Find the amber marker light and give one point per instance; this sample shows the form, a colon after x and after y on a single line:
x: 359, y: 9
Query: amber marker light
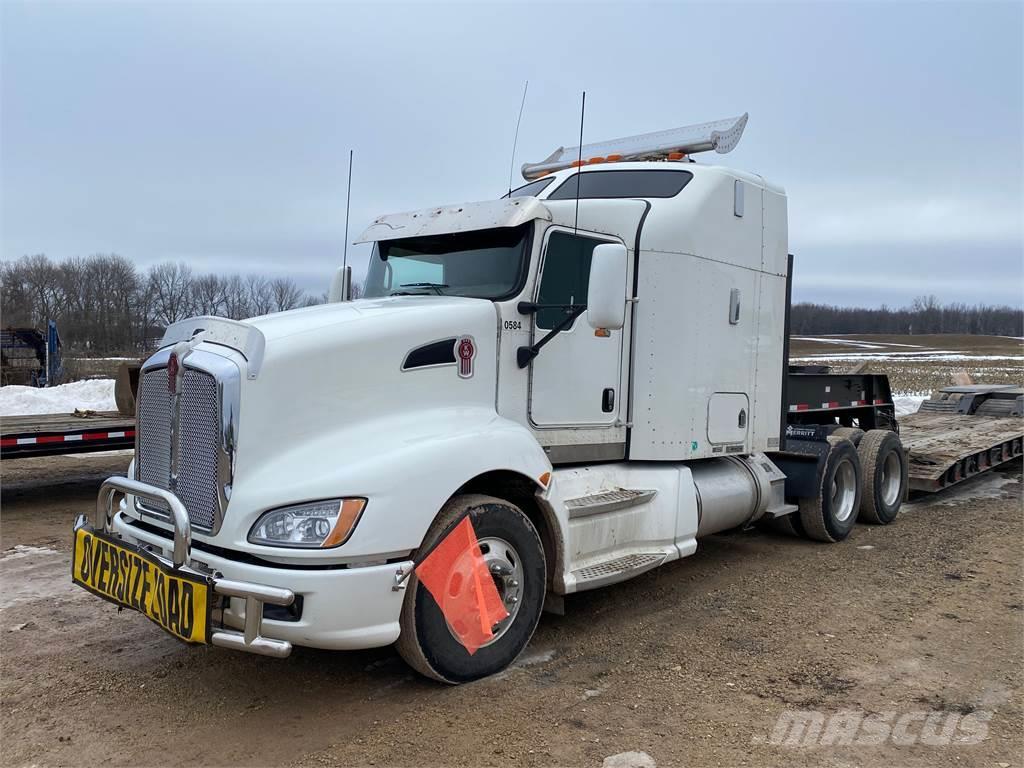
x: 351, y: 509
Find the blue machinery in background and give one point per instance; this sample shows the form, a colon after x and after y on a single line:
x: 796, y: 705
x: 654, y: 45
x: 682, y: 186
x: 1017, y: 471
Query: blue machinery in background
x: 30, y: 356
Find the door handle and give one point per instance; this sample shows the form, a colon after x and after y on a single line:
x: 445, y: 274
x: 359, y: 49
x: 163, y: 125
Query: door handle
x: 608, y: 400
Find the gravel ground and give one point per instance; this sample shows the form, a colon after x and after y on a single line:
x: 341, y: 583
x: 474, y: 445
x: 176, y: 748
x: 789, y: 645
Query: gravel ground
x: 692, y: 664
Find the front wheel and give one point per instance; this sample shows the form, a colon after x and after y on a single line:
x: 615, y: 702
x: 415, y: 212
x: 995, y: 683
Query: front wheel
x: 514, y: 555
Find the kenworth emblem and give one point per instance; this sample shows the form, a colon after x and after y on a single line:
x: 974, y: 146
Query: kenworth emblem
x: 465, y: 350
x: 172, y: 373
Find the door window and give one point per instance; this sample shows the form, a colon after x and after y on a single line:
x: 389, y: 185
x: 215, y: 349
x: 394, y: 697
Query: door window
x: 566, y: 275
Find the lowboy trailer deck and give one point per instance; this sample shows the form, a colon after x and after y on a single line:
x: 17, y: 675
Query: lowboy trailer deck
x: 52, y: 434
x: 961, y: 432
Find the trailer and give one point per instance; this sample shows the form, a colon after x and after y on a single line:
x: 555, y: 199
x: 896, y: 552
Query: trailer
x: 958, y: 433
x: 53, y: 434
x: 962, y: 431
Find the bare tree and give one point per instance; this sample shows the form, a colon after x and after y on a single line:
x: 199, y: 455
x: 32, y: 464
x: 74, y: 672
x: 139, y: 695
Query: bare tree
x: 42, y: 283
x: 209, y: 295
x: 236, y: 298
x: 286, y: 294
x: 260, y: 295
x: 171, y: 284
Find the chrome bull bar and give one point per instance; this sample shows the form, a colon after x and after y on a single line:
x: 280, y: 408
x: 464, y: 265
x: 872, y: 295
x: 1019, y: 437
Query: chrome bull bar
x: 255, y: 595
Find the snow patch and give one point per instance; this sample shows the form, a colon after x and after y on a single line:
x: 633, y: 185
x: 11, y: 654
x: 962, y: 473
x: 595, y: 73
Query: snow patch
x: 843, y: 342
x: 538, y: 657
x: 855, y: 342
x: 928, y: 356
x: 629, y: 760
x: 21, y: 550
x: 88, y: 395
x: 907, y: 404
x: 34, y: 574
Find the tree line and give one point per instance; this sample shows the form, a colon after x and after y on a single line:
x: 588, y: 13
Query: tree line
x: 925, y: 315
x: 105, y: 305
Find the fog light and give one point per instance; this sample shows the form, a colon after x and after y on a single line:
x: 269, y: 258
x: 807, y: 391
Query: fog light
x: 315, y: 525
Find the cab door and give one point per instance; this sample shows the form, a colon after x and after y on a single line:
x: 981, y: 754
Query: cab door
x: 575, y: 379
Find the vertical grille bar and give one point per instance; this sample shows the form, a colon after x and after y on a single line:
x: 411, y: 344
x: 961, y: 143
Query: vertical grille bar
x: 198, y: 442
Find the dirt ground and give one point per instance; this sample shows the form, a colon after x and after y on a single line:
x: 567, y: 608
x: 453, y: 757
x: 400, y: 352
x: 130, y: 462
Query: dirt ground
x: 692, y: 663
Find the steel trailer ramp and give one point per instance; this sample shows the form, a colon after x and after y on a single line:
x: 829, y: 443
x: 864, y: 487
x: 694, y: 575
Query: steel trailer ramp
x: 947, y: 448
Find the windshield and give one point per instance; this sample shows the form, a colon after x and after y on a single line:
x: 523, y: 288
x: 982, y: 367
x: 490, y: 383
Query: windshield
x: 488, y: 264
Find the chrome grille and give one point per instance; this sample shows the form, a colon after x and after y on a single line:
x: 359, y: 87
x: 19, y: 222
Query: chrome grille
x: 198, y: 441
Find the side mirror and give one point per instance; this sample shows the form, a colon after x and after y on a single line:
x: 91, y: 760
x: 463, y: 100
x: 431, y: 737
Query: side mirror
x: 341, y: 285
x: 606, y: 291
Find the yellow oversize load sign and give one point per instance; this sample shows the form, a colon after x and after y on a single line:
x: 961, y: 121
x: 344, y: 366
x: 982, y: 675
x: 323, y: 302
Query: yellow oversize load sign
x: 178, y: 601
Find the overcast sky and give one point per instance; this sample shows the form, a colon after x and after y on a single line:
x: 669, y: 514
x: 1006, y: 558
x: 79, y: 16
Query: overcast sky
x: 218, y: 134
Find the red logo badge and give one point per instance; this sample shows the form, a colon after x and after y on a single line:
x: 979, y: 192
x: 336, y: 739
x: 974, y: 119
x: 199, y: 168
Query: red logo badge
x: 466, y: 351
x: 172, y: 373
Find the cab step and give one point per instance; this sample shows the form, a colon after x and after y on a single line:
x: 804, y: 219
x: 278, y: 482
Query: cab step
x: 607, y: 501
x: 619, y: 569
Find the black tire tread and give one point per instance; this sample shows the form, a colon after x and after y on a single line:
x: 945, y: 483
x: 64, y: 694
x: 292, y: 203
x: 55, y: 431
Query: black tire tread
x: 869, y: 449
x: 408, y: 645
x: 812, y: 519
x: 853, y: 434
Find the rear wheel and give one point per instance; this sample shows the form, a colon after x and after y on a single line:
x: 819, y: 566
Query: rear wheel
x: 514, y: 555
x: 853, y: 434
x: 830, y: 514
x: 884, y: 483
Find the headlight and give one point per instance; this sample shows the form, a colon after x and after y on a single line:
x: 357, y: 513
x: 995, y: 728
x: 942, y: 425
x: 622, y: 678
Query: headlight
x: 316, y: 525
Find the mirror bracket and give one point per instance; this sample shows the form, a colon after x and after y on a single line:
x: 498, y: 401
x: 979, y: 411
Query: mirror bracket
x: 524, y: 355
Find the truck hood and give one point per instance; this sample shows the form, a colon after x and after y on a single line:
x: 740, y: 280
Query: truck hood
x: 333, y: 368
x: 337, y: 318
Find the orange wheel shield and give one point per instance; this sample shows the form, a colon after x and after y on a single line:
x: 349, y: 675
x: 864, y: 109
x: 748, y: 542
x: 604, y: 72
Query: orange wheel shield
x: 457, y: 578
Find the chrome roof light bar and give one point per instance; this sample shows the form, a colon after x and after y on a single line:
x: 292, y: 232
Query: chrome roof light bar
x: 719, y: 135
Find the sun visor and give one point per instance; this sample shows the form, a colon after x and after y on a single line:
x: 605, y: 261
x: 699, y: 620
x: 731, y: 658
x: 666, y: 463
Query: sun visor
x: 464, y: 217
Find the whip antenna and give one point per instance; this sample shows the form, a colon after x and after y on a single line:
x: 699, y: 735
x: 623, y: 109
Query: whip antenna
x: 579, y: 164
x: 515, y: 141
x: 348, y: 207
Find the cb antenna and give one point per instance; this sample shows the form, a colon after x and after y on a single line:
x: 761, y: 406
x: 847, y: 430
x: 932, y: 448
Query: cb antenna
x: 348, y: 207
x: 515, y: 141
x: 579, y: 164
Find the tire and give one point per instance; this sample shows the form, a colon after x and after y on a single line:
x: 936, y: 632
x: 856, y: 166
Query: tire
x: 831, y: 513
x: 427, y: 643
x: 852, y: 434
x: 884, y: 479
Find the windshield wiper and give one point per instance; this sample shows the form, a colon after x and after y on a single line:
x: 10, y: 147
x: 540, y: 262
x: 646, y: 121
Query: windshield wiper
x: 435, y: 286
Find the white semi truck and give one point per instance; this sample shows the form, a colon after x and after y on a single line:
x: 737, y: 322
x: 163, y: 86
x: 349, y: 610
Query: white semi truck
x: 593, y: 368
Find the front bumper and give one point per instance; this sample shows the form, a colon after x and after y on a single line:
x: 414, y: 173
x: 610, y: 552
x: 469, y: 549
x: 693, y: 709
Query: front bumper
x: 342, y: 608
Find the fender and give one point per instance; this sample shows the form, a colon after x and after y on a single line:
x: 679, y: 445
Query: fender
x: 405, y: 468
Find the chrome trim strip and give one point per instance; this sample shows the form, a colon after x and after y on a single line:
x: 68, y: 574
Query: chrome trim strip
x: 600, y: 503
x: 585, y: 452
x: 179, y: 515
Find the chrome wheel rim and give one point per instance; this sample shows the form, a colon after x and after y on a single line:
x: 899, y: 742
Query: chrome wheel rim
x: 844, y: 490
x: 506, y: 569
x: 892, y: 476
